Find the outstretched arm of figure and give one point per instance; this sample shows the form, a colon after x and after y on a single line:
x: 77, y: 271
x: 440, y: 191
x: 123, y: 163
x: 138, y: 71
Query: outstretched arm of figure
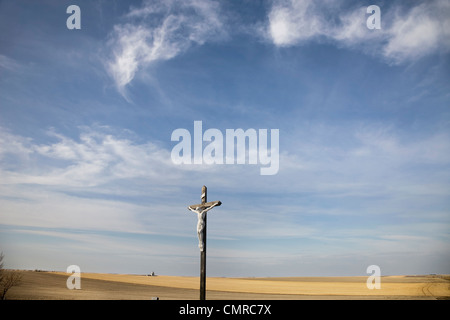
x: 200, y: 208
x: 209, y: 208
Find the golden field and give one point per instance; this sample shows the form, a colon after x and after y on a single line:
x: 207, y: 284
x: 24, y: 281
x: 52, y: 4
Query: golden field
x: 52, y: 285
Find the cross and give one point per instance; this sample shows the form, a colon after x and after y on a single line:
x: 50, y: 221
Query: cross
x: 201, y: 210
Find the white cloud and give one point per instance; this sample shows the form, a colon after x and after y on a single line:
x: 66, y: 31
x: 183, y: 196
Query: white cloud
x: 353, y: 29
x: 419, y: 31
x: 294, y: 21
x: 159, y: 31
x: 103, y: 161
x: 97, y: 158
x: 13, y: 144
x: 406, y: 34
x: 99, y: 181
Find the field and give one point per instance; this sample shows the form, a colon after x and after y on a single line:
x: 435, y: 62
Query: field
x: 52, y: 285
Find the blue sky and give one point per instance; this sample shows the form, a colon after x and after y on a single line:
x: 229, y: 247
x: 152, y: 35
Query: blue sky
x: 86, y: 118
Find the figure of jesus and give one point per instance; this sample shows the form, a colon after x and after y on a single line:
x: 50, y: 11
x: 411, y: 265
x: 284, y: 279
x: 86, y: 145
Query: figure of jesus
x: 201, y: 211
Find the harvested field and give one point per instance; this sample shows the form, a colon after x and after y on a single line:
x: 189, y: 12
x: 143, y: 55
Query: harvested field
x: 52, y: 285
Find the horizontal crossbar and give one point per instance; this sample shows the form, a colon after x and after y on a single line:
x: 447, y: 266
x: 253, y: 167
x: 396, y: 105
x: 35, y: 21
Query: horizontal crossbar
x: 205, y: 205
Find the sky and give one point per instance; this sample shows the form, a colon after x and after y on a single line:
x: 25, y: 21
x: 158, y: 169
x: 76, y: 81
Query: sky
x: 86, y: 118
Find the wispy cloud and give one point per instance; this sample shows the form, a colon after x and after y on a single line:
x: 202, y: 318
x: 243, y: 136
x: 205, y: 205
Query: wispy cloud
x: 418, y: 31
x: 97, y: 158
x: 158, y: 31
x: 105, y: 160
x: 8, y: 63
x: 294, y: 21
x: 407, y: 33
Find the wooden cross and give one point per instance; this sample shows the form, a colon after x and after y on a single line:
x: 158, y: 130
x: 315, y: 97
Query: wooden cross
x: 201, y: 210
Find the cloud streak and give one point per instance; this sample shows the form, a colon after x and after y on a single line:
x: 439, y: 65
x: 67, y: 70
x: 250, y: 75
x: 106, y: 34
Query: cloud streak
x: 407, y: 34
x: 421, y: 31
x: 115, y: 174
x: 158, y: 31
x: 97, y: 158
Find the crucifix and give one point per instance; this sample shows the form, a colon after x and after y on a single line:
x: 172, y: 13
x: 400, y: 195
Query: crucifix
x: 201, y: 210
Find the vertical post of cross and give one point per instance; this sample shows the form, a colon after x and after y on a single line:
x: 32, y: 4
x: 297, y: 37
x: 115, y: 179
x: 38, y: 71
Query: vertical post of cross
x: 203, y: 253
x: 201, y: 210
